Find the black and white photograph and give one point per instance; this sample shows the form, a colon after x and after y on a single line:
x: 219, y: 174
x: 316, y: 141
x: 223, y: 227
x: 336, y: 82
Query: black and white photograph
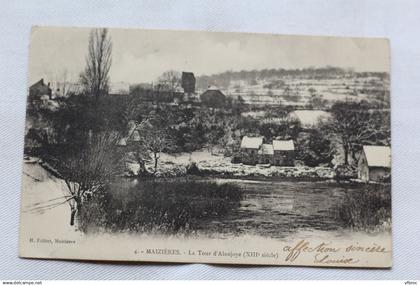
x: 209, y: 147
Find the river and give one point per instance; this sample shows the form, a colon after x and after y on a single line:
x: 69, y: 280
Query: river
x: 268, y: 208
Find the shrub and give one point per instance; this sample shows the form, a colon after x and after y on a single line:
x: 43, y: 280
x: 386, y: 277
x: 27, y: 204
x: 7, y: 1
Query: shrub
x: 345, y: 172
x: 367, y: 208
x: 193, y: 169
x: 162, y: 206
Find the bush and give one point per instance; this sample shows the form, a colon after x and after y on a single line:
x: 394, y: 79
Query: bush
x: 345, y: 172
x: 162, y: 206
x: 367, y: 208
x: 193, y: 169
x: 314, y: 148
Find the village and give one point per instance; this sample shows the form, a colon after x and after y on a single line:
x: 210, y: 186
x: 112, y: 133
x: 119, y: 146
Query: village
x: 251, y: 154
x: 186, y: 148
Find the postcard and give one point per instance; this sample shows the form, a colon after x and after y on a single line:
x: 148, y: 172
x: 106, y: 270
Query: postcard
x: 207, y: 147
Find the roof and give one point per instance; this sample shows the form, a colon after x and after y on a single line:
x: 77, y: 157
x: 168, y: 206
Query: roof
x: 309, y: 118
x: 213, y: 92
x: 283, y: 145
x: 40, y: 88
x: 267, y: 149
x: 251, y: 142
x: 378, y: 156
x: 189, y: 75
x: 39, y: 83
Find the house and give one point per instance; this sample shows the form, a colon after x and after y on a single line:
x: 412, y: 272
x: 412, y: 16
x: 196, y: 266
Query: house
x: 374, y: 163
x: 284, y: 152
x: 266, y: 154
x: 279, y: 152
x: 309, y: 118
x: 213, y: 98
x: 38, y: 89
x: 250, y: 147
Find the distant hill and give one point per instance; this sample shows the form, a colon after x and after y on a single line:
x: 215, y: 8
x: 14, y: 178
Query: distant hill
x: 300, y: 86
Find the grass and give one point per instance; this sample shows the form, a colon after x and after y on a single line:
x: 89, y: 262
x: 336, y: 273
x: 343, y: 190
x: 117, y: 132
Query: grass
x: 160, y: 206
x: 185, y: 206
x: 367, y: 209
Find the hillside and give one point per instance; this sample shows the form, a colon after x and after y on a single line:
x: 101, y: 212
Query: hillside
x: 300, y: 87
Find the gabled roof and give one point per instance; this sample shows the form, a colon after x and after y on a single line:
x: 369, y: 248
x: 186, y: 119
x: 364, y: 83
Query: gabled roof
x: 40, y: 87
x: 39, y: 83
x: 266, y: 149
x: 378, y: 156
x: 283, y: 145
x: 251, y: 142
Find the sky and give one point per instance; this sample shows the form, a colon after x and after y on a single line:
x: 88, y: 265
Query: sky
x: 142, y: 55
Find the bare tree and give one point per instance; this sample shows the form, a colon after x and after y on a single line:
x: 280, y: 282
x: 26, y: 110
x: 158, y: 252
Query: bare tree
x: 155, y: 141
x: 86, y: 168
x: 170, y: 80
x: 354, y: 125
x: 95, y: 78
x: 64, y: 83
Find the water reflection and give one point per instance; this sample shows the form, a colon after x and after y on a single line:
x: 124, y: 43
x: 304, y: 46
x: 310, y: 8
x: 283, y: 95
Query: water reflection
x: 226, y: 207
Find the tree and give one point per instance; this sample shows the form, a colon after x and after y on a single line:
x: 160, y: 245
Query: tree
x: 170, y: 81
x: 95, y: 78
x: 136, y: 145
x: 287, y: 129
x: 155, y: 140
x: 316, y: 101
x: 314, y: 148
x: 86, y: 167
x: 355, y: 124
x: 227, y: 140
x: 238, y: 105
x: 290, y: 95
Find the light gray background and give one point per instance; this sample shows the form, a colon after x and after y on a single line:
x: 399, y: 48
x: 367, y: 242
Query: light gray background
x: 397, y: 20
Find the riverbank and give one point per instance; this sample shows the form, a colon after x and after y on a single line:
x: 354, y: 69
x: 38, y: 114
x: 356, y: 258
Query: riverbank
x: 205, y: 164
x: 212, y: 206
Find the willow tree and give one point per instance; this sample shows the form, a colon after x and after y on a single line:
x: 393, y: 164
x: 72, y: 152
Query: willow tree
x: 95, y: 77
x: 86, y: 167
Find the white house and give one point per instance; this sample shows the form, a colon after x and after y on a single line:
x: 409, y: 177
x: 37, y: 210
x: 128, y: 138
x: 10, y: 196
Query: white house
x: 374, y: 163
